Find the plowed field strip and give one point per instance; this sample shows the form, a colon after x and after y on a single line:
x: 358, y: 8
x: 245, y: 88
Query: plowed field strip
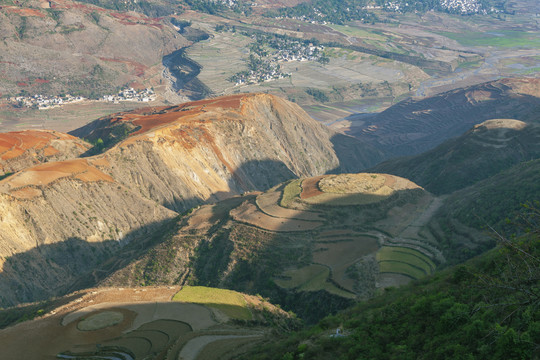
x: 249, y: 213
x: 310, y: 187
x: 268, y: 204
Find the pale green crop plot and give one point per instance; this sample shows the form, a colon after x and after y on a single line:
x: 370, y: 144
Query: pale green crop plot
x: 100, y: 321
x: 499, y: 38
x: 401, y: 268
x: 229, y: 302
x: 404, y: 261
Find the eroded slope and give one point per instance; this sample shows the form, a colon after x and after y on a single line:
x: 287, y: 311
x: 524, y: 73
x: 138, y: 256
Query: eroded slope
x: 61, y: 218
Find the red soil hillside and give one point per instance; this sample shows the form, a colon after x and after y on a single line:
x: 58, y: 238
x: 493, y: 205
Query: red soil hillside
x: 210, y: 149
x: 22, y: 149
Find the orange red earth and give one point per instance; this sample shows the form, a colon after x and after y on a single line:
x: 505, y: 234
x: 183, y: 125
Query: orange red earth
x: 151, y: 118
x: 13, y: 144
x: 44, y: 174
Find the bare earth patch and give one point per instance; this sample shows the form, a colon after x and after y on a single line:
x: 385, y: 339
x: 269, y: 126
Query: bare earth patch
x: 100, y: 321
x: 310, y: 187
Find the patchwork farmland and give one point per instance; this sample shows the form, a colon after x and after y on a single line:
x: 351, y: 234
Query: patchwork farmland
x: 334, y: 235
x: 141, y: 323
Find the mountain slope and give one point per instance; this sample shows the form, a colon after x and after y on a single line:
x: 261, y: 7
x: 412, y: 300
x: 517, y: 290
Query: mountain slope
x: 414, y: 126
x: 183, y: 155
x: 487, y: 149
x: 69, y: 47
x: 312, y: 245
x: 59, y: 220
x: 462, y: 224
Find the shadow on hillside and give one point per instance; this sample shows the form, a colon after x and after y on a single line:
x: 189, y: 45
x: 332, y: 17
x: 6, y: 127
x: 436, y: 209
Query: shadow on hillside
x: 251, y: 176
x: 353, y: 154
x: 412, y: 126
x: 57, y: 269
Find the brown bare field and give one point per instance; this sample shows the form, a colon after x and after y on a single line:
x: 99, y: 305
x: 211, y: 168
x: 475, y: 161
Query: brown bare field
x: 268, y: 203
x: 310, y: 187
x: 249, y: 213
x: 345, y: 199
x: 313, y: 277
x: 340, y: 255
x: 150, y: 322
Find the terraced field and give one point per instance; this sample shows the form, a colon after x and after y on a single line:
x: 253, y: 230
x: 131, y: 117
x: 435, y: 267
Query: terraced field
x: 139, y: 323
x: 405, y: 261
x: 346, y: 253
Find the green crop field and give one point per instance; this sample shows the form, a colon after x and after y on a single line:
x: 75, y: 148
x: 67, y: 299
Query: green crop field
x: 229, y: 302
x: 290, y: 192
x: 406, y: 255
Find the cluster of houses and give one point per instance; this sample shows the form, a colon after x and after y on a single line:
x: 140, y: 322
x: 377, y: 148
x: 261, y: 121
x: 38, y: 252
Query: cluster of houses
x: 145, y: 95
x: 43, y: 102
x: 297, y: 51
x: 315, y: 18
x: 463, y: 6
x: 267, y: 67
x: 267, y: 71
x: 460, y: 6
